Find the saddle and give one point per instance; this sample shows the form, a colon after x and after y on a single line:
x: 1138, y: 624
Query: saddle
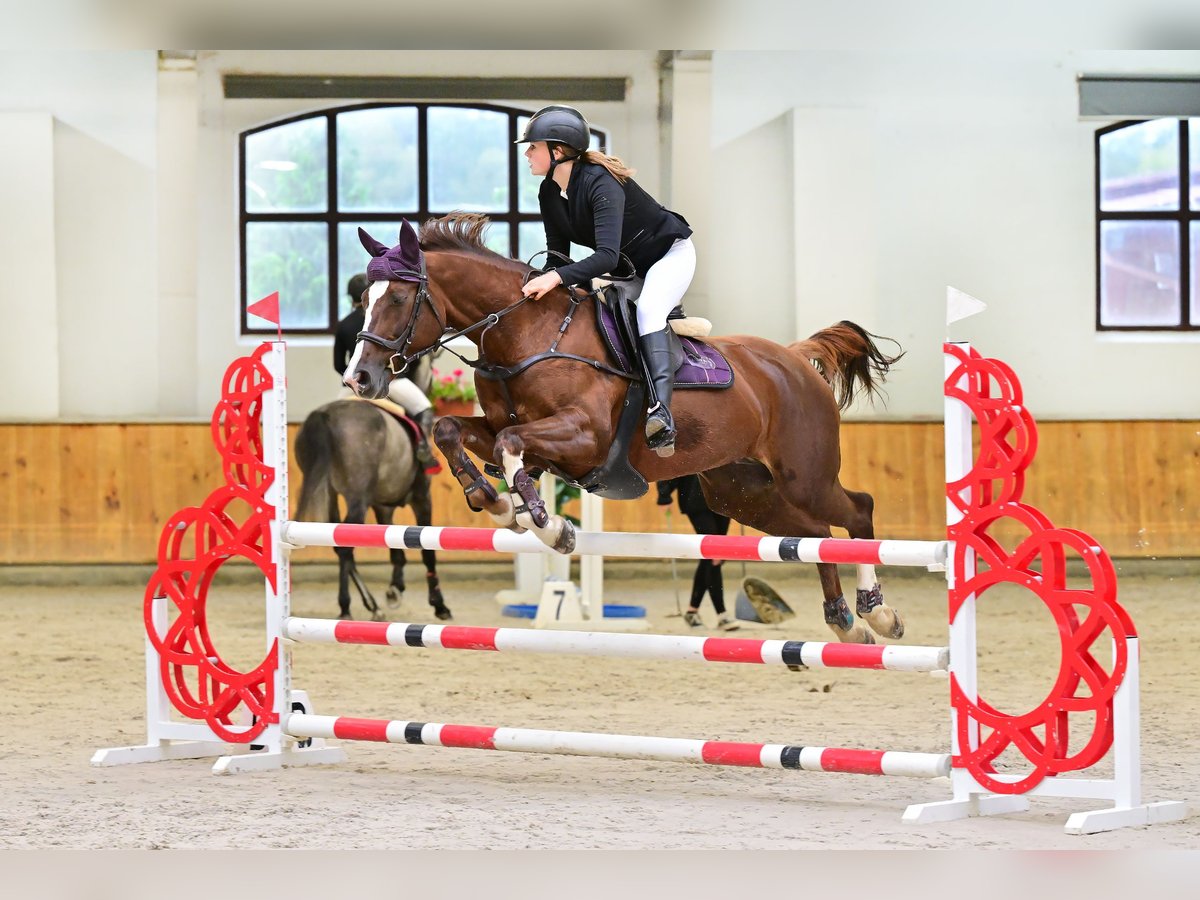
x: 697, y: 365
x: 396, y: 411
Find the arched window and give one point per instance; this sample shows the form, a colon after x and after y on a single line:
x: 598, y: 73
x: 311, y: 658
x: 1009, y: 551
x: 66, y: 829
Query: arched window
x: 307, y: 184
x: 1148, y: 225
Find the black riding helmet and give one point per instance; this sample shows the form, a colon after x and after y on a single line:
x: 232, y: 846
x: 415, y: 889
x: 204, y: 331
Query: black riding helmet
x: 558, y: 125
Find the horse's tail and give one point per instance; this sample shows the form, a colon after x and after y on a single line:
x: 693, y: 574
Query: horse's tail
x: 314, y: 455
x: 849, y: 360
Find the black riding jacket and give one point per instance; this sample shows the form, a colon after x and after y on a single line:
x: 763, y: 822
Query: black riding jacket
x: 601, y: 213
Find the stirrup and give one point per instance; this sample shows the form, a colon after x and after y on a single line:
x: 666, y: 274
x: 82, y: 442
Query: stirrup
x: 661, y: 439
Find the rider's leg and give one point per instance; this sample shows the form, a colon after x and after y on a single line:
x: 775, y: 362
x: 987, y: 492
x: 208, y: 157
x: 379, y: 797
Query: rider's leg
x: 666, y: 282
x: 404, y: 392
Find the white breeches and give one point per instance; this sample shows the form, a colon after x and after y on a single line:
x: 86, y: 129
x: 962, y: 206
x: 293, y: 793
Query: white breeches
x: 404, y: 392
x: 666, y: 282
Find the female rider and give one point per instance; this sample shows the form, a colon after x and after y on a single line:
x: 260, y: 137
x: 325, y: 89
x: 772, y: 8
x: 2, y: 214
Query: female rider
x: 590, y: 198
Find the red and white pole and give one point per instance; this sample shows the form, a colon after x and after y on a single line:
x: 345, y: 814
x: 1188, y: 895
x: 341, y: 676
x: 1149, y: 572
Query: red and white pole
x: 813, y: 654
x: 930, y: 554
x: 623, y: 746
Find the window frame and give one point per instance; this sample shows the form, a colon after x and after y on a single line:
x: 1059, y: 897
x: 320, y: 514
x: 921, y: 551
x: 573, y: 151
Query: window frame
x: 1184, y: 216
x: 332, y: 217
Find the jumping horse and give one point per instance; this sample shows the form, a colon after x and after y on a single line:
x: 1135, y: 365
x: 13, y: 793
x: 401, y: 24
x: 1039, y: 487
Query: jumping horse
x: 366, y: 455
x: 766, y: 448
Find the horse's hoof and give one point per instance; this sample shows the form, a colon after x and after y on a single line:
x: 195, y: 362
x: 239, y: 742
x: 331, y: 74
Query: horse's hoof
x: 566, y: 538
x: 859, y: 634
x: 668, y: 450
x: 394, y: 596
x: 841, y: 622
x: 883, y: 620
x: 517, y: 529
x: 442, y: 613
x: 345, y: 617
x: 378, y: 616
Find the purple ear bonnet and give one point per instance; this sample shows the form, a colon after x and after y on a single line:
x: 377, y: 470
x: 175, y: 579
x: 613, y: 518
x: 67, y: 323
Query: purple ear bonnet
x: 400, y: 263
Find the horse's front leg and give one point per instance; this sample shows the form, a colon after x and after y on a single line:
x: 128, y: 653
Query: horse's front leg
x: 453, y: 436
x: 565, y: 436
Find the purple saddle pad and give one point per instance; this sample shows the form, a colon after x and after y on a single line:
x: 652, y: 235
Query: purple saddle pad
x: 703, y: 365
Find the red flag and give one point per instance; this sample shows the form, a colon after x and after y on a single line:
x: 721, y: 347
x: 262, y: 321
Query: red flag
x: 266, y: 308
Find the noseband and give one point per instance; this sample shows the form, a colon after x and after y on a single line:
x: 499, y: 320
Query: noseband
x: 399, y: 347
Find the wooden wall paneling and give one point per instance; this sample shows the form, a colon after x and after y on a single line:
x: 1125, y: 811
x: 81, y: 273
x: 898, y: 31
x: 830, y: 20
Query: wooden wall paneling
x: 101, y: 493
x: 36, y: 531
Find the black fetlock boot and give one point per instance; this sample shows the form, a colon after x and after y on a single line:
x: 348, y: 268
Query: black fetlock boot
x: 425, y: 455
x: 659, y: 365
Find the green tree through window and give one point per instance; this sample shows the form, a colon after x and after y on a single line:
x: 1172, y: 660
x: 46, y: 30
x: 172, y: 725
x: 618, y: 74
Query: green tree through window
x: 308, y: 183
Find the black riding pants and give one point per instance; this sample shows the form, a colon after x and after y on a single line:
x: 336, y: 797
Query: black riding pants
x: 708, y: 572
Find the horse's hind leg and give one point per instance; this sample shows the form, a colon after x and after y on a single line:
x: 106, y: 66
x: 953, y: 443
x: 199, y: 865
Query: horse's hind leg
x: 345, y: 557
x: 747, y: 493
x: 356, y: 514
x: 853, y: 510
x: 883, y: 619
x: 837, y: 612
x: 811, y: 485
x: 422, y: 507
x: 395, y: 591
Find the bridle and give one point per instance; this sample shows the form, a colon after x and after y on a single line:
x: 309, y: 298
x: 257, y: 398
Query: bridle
x: 399, y: 346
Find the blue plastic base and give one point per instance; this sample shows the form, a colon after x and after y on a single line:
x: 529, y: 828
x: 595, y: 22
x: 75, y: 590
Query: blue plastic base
x: 611, y: 611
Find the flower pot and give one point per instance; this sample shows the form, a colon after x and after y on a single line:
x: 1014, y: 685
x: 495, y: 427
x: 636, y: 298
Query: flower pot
x: 442, y: 407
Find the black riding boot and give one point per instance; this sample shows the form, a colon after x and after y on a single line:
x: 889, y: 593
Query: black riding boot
x: 659, y: 365
x: 424, y: 452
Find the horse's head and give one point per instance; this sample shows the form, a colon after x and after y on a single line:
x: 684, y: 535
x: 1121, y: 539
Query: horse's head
x: 400, y: 319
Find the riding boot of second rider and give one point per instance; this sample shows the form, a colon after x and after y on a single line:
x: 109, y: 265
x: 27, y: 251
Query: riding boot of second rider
x: 659, y: 364
x: 424, y: 420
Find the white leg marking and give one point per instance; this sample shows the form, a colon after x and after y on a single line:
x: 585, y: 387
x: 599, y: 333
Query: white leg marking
x: 507, y: 517
x: 548, y: 535
x: 866, y: 578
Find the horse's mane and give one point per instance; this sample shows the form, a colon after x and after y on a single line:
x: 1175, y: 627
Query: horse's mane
x: 459, y: 231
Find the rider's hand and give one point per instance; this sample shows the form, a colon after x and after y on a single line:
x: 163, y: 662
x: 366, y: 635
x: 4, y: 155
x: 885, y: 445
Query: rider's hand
x: 536, y: 287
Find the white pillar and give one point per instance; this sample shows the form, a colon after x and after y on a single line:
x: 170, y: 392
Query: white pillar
x: 690, y: 164
x: 176, y: 198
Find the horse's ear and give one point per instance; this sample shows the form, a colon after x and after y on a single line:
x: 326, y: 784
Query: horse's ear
x: 410, y: 246
x: 371, y: 245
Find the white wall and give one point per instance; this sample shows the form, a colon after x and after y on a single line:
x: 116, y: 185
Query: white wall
x: 87, y: 246
x: 28, y: 311
x: 967, y: 168
x: 752, y: 243
x: 311, y: 379
x: 919, y: 170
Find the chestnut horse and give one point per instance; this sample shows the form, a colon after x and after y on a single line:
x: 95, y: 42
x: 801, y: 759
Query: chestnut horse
x: 766, y: 449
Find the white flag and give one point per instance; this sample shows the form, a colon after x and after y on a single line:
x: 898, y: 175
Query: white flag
x: 961, y: 306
